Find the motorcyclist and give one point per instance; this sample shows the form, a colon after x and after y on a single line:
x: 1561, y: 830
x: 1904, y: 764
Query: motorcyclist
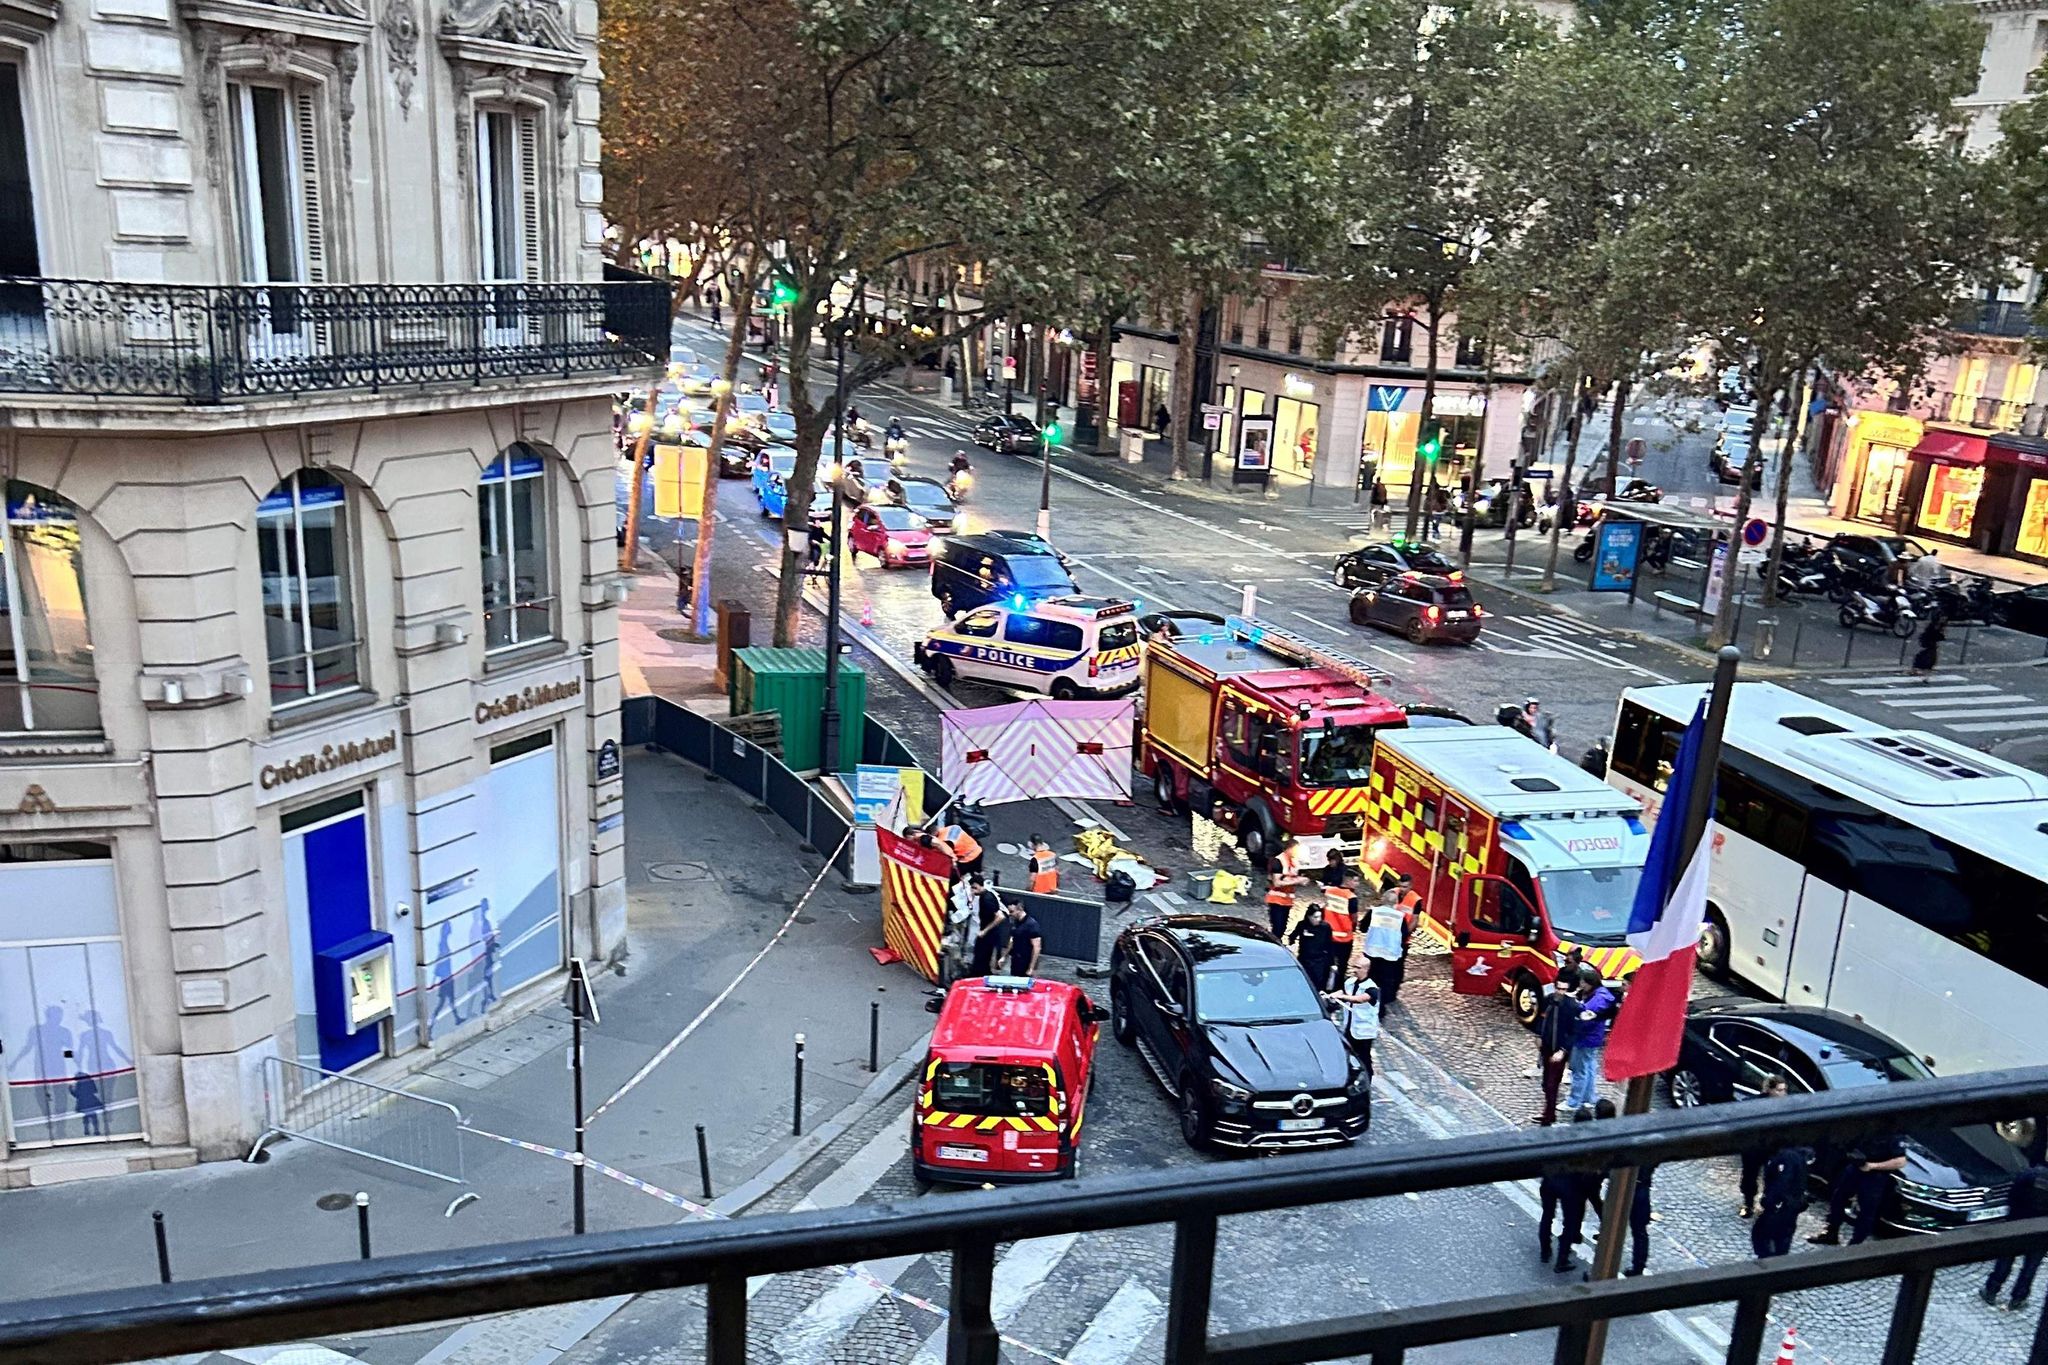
x: 895, y: 431
x: 960, y: 464
x: 1594, y: 760
x: 1539, y: 726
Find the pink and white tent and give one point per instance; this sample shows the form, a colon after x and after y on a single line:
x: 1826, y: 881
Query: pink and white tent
x: 1030, y: 749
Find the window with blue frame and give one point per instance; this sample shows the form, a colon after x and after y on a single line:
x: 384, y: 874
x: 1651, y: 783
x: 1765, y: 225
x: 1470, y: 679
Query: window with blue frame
x: 512, y: 521
x: 309, y: 610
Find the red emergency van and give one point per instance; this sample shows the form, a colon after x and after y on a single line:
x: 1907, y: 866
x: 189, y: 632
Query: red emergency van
x: 1005, y: 1083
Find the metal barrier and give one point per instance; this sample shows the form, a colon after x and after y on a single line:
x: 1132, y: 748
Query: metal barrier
x: 375, y: 1122
x: 250, y: 1310
x: 1069, y: 927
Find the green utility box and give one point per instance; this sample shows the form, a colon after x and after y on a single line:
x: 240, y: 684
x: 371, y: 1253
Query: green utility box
x: 792, y: 682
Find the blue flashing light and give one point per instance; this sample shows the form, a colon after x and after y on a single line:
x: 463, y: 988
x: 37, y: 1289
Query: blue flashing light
x: 1017, y: 602
x: 1635, y: 826
x: 1513, y: 829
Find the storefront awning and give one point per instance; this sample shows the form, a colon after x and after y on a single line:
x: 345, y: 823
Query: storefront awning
x: 1949, y: 447
x: 2029, y: 452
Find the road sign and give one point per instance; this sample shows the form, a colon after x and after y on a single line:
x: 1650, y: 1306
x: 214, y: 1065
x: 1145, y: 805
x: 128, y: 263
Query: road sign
x: 1216, y: 408
x: 1212, y: 421
x: 1633, y: 451
x: 1009, y: 367
x: 1754, y: 531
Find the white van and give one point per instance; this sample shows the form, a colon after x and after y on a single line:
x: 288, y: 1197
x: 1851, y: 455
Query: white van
x: 1066, y: 646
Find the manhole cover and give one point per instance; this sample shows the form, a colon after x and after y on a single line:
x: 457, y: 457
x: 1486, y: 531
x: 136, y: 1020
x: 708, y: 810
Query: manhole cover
x: 335, y: 1203
x: 677, y: 872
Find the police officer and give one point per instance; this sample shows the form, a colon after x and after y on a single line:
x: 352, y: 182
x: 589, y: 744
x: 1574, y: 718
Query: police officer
x: 2029, y: 1200
x: 1753, y: 1160
x: 1783, y: 1199
x: 1575, y: 1192
x: 1866, y: 1179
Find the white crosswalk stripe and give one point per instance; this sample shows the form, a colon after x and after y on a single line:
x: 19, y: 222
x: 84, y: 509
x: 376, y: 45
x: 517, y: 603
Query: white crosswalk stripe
x: 1120, y: 1327
x: 1949, y: 701
x: 1020, y: 1272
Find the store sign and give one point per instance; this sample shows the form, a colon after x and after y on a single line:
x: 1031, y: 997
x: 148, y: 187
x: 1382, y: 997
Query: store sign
x: 504, y: 702
x: 334, y: 754
x: 1408, y: 398
x: 1297, y: 387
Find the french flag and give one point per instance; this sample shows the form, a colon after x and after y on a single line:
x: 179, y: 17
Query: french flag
x: 1664, y: 928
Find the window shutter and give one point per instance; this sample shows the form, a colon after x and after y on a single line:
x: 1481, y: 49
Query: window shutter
x: 530, y: 216
x: 306, y: 126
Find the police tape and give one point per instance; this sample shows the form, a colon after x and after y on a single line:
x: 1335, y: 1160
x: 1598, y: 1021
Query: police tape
x: 858, y: 1274
x: 668, y: 1048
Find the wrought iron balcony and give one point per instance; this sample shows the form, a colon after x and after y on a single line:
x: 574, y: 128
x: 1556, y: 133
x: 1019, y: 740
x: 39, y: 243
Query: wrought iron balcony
x: 1991, y: 414
x: 235, y: 343
x: 248, y: 1310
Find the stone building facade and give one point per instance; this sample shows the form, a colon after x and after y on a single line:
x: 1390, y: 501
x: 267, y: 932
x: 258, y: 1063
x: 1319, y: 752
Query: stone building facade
x: 308, y: 665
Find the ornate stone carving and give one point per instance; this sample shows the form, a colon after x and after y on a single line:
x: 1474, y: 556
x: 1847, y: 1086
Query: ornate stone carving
x: 339, y: 9
x: 276, y: 49
x: 346, y: 63
x: 462, y: 80
x: 522, y: 23
x: 401, y: 27
x: 210, y: 91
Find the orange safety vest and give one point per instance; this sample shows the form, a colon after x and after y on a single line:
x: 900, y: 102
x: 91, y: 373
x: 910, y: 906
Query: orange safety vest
x: 1278, y: 895
x: 1338, y: 916
x: 965, y: 849
x: 1045, y: 874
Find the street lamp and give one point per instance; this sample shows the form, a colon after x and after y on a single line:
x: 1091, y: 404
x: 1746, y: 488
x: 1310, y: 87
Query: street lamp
x: 1047, y: 439
x: 828, y: 734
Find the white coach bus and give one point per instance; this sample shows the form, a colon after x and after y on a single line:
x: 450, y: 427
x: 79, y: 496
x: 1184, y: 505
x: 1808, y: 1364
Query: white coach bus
x: 1891, y: 875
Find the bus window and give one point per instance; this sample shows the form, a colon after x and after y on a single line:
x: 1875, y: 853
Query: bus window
x: 1645, y: 746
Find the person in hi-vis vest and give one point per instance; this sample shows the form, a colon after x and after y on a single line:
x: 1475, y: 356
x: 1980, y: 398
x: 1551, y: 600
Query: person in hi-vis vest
x: 1045, y: 868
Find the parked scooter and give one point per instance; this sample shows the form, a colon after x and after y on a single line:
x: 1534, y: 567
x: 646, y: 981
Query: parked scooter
x: 1884, y: 608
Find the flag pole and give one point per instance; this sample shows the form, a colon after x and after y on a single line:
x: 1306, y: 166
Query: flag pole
x: 1699, y: 807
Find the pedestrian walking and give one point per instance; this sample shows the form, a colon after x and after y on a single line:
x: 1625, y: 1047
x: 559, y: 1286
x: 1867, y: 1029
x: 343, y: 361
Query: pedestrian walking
x: 1361, y: 1001
x: 1027, y: 940
x: 991, y: 929
x: 1865, y: 1180
x: 1386, y: 944
x: 2029, y: 1200
x: 1045, y: 868
x: 1439, y: 505
x: 1379, y: 504
x: 1924, y: 659
x: 1567, y: 1195
x: 717, y: 300
x: 1555, y: 1023
x: 1162, y: 420
x: 1597, y: 1008
x: 1754, y: 1158
x: 1311, y: 943
x: 1781, y: 1198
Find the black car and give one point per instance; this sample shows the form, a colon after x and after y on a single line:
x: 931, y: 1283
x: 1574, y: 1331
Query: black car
x: 926, y: 497
x: 2025, y: 610
x: 1870, y: 557
x: 1375, y: 564
x: 734, y: 461
x: 1011, y: 432
x: 1423, y: 607
x: 1229, y: 1023
x: 1953, y: 1177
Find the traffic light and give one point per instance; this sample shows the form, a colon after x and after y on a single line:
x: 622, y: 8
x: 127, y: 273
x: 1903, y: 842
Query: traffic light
x: 1432, y: 447
x: 781, y: 294
x: 1051, y: 433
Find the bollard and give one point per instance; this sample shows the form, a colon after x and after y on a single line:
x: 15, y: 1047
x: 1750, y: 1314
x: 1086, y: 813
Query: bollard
x: 363, y: 1222
x: 1849, y: 647
x: 163, y: 1248
x: 796, y: 1121
x: 874, y: 1036
x: 704, y: 1162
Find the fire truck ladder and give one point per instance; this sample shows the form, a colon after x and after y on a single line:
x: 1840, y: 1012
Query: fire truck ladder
x: 1306, y: 653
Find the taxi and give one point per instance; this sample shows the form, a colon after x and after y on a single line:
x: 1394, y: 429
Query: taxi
x: 1005, y: 1082
x: 1065, y: 646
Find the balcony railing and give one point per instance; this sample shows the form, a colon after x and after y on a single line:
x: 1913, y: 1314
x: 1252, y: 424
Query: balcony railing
x: 232, y: 343
x: 1991, y: 414
x: 249, y: 1310
x: 1999, y: 318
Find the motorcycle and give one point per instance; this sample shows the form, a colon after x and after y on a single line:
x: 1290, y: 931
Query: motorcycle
x: 960, y: 479
x: 861, y: 432
x: 897, y: 448
x: 1888, y: 609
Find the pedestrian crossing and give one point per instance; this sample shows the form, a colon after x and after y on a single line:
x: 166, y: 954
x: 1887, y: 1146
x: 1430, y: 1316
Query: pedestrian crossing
x: 1950, y: 701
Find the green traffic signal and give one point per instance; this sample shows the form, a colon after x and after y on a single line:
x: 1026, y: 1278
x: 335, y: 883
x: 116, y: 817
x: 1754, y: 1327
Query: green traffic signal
x: 782, y: 294
x: 1052, y: 433
x: 1432, y: 446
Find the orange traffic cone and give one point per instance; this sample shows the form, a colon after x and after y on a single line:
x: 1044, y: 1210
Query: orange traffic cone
x: 1790, y: 1349
x: 867, y: 613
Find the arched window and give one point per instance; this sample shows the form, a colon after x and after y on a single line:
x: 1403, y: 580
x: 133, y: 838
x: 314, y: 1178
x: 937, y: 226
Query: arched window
x: 309, y: 615
x: 512, y: 519
x: 47, y: 683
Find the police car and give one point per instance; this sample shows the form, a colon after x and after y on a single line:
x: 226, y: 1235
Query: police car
x: 1067, y: 646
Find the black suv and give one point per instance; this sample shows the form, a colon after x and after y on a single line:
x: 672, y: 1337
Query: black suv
x: 1421, y: 607
x: 1228, y: 1022
x: 1375, y: 564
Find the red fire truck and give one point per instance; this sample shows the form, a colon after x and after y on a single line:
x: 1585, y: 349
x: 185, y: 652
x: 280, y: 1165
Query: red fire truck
x: 1518, y: 854
x: 1263, y: 730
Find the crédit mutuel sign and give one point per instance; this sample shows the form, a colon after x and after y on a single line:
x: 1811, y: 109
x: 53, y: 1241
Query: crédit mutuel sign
x: 502, y: 703
x: 327, y: 758
x: 528, y: 699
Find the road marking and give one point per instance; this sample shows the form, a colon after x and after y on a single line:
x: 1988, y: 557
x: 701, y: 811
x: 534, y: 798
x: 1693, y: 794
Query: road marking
x: 1020, y: 1272
x: 1995, y: 726
x: 1856, y: 680
x: 810, y: 1336
x: 1995, y: 699
x: 1709, y: 1329
x: 1923, y: 690
x: 1314, y: 621
x: 857, y: 1176
x: 1152, y: 598
x: 1120, y: 1326
x: 2027, y: 710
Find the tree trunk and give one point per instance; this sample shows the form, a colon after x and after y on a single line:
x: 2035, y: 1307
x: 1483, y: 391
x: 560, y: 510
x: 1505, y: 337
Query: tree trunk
x: 1105, y: 394
x: 1477, y: 475
x: 812, y: 419
x: 630, y: 551
x: 707, y: 507
x: 1724, y: 616
x: 1571, y: 458
x: 963, y: 386
x: 1622, y: 387
x: 1184, y: 381
x: 1795, y: 433
x: 1422, y: 421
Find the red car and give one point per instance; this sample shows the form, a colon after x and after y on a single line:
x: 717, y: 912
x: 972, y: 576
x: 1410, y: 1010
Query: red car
x: 895, y: 536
